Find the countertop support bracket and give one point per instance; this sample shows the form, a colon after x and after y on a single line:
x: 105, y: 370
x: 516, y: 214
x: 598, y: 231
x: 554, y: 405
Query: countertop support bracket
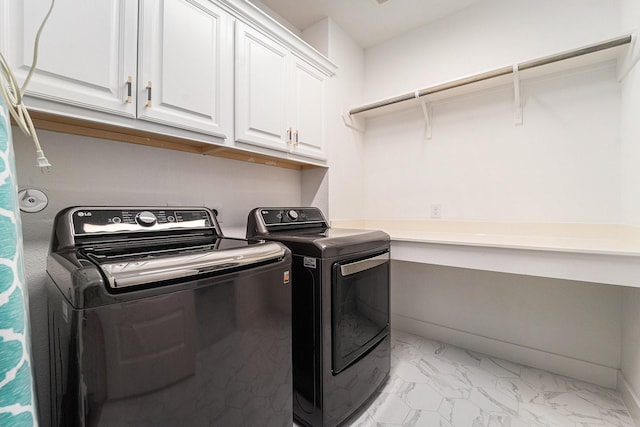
x: 516, y: 95
x: 426, y: 106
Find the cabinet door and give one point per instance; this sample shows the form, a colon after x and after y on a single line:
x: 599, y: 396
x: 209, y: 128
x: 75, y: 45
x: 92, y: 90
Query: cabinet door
x: 87, y: 50
x: 186, y: 65
x: 308, y: 110
x: 262, y: 71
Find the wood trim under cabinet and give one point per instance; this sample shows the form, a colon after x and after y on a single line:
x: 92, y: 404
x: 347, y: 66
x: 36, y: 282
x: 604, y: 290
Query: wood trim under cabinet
x: 81, y: 127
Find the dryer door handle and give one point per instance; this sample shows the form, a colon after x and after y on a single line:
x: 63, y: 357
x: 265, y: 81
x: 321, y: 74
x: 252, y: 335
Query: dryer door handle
x: 363, y: 264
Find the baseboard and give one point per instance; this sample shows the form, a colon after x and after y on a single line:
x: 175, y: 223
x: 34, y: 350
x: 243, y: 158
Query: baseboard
x: 630, y: 398
x: 559, y: 364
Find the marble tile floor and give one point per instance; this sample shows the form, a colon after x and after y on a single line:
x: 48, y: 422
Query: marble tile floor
x: 438, y: 385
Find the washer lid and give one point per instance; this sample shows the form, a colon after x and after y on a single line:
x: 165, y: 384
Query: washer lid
x: 134, y: 269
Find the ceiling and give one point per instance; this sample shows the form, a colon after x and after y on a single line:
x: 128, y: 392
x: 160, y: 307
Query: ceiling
x: 369, y: 22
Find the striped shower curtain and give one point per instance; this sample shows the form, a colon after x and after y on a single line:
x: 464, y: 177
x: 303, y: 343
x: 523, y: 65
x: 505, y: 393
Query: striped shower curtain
x: 17, y: 397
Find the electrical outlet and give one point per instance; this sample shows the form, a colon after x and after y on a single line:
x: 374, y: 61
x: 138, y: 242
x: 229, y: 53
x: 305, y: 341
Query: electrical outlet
x: 436, y: 211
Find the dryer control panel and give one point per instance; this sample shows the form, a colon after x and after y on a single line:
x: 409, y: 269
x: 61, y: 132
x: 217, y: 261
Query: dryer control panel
x: 265, y: 220
x: 294, y: 216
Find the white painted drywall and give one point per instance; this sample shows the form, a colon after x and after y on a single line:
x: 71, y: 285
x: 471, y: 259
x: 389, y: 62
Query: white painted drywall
x: 573, y: 319
x: 630, y: 358
x: 315, y: 182
x: 487, y: 35
x: 630, y: 124
x: 561, y: 165
x: 89, y: 171
x: 345, y: 148
x: 630, y: 140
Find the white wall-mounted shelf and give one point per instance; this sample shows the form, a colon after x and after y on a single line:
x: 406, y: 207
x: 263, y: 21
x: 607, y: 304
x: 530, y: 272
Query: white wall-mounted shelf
x: 597, y: 253
x: 614, y: 49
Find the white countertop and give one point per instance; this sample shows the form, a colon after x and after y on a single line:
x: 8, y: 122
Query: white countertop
x: 563, y: 237
x: 602, y: 253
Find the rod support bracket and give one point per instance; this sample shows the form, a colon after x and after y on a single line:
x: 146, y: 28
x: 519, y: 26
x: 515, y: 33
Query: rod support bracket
x: 425, y: 111
x: 353, y: 122
x: 631, y: 59
x: 516, y: 96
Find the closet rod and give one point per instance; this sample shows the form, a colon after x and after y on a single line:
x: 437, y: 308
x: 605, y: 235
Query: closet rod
x: 575, y: 53
x: 495, y: 73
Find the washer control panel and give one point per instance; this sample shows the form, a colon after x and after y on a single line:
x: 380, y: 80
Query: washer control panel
x: 110, y: 220
x: 293, y: 216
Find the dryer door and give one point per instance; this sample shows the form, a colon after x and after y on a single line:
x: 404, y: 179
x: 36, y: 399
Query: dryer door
x: 360, y: 307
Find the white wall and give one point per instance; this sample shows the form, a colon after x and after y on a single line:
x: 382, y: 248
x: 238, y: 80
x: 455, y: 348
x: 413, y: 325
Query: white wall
x: 630, y: 138
x: 630, y: 359
x: 88, y: 171
x: 487, y: 35
x: 277, y: 17
x: 572, y: 328
x: 630, y: 129
x: 562, y: 165
x: 345, y: 149
x: 315, y: 182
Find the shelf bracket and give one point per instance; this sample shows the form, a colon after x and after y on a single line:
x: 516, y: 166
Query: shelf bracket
x: 425, y: 110
x: 632, y: 58
x: 354, y: 123
x: 516, y: 95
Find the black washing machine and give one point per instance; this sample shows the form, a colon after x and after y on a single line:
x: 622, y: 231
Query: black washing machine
x: 340, y: 304
x: 157, y: 319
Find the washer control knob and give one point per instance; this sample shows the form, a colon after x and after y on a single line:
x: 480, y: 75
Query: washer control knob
x: 146, y: 218
x: 293, y: 215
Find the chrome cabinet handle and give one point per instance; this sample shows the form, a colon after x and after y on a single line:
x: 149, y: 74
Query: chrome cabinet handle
x: 148, y: 87
x: 129, y: 84
x: 289, y: 136
x: 296, y: 143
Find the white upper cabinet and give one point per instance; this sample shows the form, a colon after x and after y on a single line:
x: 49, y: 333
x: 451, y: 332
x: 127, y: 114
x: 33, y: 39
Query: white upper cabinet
x: 279, y: 97
x: 308, y: 110
x: 87, y: 50
x: 262, y: 79
x: 105, y: 56
x: 211, y: 71
x: 185, y: 69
